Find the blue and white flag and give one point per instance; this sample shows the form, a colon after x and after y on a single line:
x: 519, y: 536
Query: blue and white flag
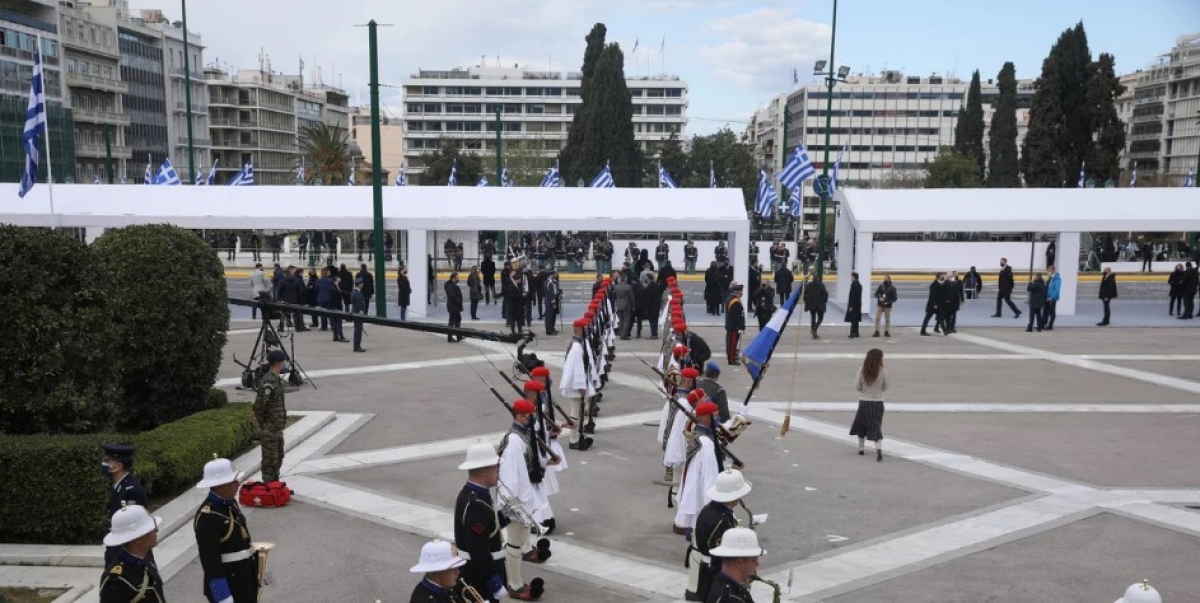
x: 95, y: 178
x: 482, y: 181
x: 664, y: 178
x: 400, y: 181
x: 453, y: 180
x: 1133, y: 177
x: 244, y: 177
x: 767, y: 198
x: 167, y: 176
x: 199, y: 174
x: 505, y: 179
x: 604, y: 179
x: 1190, y: 180
x: 212, y: 173
x: 35, y: 125
x: 551, y: 179
x: 712, y: 176
x: 148, y: 177
x: 350, y: 180
x: 123, y: 181
x: 798, y: 169
x: 300, y: 172
x: 758, y: 353
x: 1082, y: 176
x: 795, y: 203
x: 837, y: 164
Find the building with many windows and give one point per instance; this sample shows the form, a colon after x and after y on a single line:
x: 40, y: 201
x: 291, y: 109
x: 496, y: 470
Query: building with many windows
x: 24, y: 24
x: 1163, y: 136
x: 252, y: 114
x: 176, y: 96
x: 535, y: 107
x: 391, y: 139
x: 97, y: 94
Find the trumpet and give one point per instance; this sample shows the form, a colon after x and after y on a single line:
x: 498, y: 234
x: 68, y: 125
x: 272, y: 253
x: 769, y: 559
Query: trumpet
x: 510, y: 504
x: 262, y: 549
x: 778, y: 595
x: 469, y: 593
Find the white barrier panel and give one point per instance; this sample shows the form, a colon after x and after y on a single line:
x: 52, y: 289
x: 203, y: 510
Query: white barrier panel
x: 932, y: 256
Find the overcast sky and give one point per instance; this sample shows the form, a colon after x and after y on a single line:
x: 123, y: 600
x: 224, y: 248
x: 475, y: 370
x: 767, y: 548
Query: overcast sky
x: 734, y: 55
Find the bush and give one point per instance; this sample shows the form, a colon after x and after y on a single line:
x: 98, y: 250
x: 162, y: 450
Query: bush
x: 217, y: 398
x: 172, y: 314
x: 57, y: 368
x: 67, y: 505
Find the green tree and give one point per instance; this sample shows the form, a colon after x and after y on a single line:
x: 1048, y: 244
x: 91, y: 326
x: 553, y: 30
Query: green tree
x: 438, y: 163
x: 951, y: 170
x: 1060, y: 120
x: 326, y: 153
x: 58, y: 365
x: 610, y: 117
x: 172, y: 313
x: 731, y: 159
x: 1103, y: 87
x: 526, y: 161
x: 670, y: 154
x: 968, y: 134
x: 580, y: 150
x: 1003, y: 166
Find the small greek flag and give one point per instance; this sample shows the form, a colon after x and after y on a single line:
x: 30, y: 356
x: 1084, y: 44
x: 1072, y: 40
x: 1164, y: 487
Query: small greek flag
x: 453, y: 180
x: 551, y: 179
x: 664, y: 179
x: 95, y: 178
x: 1082, y: 175
x: 604, y: 179
x: 798, y: 169
x: 147, y: 178
x: 837, y: 164
x: 795, y: 205
x: 1190, y: 180
x: 767, y: 198
x: 482, y: 181
x: 199, y: 174
x: 167, y: 176
x: 1133, y: 177
x: 35, y: 125
x: 244, y: 177
x: 505, y: 179
x: 350, y: 180
x: 212, y: 173
x: 400, y: 176
x: 712, y: 176
x: 123, y: 181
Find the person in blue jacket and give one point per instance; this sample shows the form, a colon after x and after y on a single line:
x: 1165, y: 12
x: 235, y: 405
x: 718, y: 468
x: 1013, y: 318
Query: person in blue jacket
x: 1053, y: 291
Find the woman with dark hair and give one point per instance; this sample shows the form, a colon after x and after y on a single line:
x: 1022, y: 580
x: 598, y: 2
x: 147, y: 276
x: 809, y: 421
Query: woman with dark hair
x: 868, y: 421
x: 403, y: 292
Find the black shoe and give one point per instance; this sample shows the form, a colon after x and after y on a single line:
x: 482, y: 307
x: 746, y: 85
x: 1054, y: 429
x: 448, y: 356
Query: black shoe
x: 997, y: 316
x: 924, y: 334
x: 549, y: 524
x: 582, y: 444
x: 1101, y: 324
x: 360, y: 349
x: 690, y: 596
x: 876, y: 334
x: 1018, y: 315
x: 878, y: 455
x: 1049, y: 329
x: 1028, y: 329
x: 862, y: 453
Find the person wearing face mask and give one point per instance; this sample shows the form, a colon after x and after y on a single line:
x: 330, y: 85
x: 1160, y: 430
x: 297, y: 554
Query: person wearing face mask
x: 223, y: 541
x: 117, y: 464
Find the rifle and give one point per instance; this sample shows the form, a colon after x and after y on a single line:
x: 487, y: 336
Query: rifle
x: 538, y: 443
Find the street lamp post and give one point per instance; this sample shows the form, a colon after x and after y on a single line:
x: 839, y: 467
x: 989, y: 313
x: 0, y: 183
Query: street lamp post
x: 831, y: 79
x: 187, y: 93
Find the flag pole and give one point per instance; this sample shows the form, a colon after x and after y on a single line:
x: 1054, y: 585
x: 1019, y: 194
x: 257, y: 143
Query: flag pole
x: 49, y: 162
x: 767, y: 361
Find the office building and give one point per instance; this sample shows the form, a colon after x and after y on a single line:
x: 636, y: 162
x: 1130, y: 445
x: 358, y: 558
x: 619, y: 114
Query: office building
x: 251, y: 114
x: 391, y: 138
x: 93, y: 77
x: 176, y: 97
x: 536, y: 108
x: 1164, y: 120
x: 23, y: 25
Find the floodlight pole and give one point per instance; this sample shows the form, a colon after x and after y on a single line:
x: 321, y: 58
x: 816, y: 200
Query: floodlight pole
x: 377, y: 175
x: 829, y: 81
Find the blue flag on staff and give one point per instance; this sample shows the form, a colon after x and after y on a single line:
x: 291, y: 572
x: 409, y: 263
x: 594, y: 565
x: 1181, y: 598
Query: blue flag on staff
x: 604, y: 179
x: 212, y: 172
x: 795, y: 205
x: 664, y: 178
x: 798, y: 169
x: 482, y: 181
x: 246, y: 176
x: 35, y: 125
x: 147, y: 178
x: 758, y: 353
x: 167, y: 176
x: 551, y: 179
x: 400, y: 176
x: 505, y: 179
x: 767, y: 199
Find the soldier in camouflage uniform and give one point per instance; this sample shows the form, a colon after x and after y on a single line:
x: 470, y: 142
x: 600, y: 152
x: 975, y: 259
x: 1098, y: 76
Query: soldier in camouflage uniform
x: 270, y: 416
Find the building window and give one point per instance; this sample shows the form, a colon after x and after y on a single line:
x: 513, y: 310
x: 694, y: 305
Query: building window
x: 655, y: 93
x: 575, y: 92
x: 512, y: 92
x: 535, y: 109
x: 635, y: 92
x: 433, y: 107
x: 512, y: 108
x: 655, y: 110
x: 433, y: 90
x: 554, y: 91
x: 495, y: 91
x: 674, y: 110
x: 674, y: 92
x: 495, y: 108
x: 534, y: 92
x: 416, y: 108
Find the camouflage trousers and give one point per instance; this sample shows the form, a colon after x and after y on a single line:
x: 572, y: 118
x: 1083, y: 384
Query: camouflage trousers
x: 272, y: 454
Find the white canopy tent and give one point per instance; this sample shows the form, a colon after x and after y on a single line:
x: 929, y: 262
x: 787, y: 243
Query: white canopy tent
x: 1067, y: 212
x: 416, y: 209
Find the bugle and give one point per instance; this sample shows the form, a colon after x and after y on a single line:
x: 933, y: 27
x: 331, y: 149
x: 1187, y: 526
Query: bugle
x: 262, y: 550
x: 778, y: 594
x: 469, y: 593
x: 511, y: 505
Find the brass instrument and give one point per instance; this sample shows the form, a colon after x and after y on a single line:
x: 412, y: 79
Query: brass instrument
x: 777, y: 596
x: 261, y: 550
x: 510, y: 504
x: 469, y: 592
x: 749, y: 514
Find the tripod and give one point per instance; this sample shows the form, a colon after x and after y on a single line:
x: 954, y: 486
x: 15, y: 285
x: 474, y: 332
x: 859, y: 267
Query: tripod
x: 269, y: 339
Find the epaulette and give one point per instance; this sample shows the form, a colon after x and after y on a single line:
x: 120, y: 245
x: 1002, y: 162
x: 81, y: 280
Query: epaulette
x: 116, y: 569
x: 206, y: 509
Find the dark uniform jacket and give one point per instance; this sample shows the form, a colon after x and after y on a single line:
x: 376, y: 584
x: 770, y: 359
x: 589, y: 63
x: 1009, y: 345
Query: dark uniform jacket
x: 717, y: 394
x: 726, y: 590
x: 783, y: 281
x: 735, y: 315
x: 698, y: 349
x: 815, y: 296
x: 1108, y: 286
x: 937, y: 297
x: 1006, y: 280
x: 854, y: 303
x: 662, y: 253
x: 130, y: 490
x: 454, y: 301
x: 403, y: 291
x: 130, y: 578
x: 477, y: 528
x: 428, y: 592
x: 712, y: 522
x: 221, y: 529
x: 1037, y: 295
x: 1191, y: 278
x: 954, y: 294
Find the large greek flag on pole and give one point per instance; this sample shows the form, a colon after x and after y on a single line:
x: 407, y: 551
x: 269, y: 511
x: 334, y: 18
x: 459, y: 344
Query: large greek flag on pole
x: 400, y: 176
x: 147, y: 178
x: 765, y: 201
x: 758, y: 353
x: 167, y: 176
x: 798, y: 169
x: 664, y: 179
x: 551, y: 179
x: 244, y: 177
x: 482, y: 181
x: 199, y: 175
x: 836, y: 164
x: 35, y: 125
x: 453, y: 180
x: 505, y: 179
x: 1190, y: 180
x: 604, y: 179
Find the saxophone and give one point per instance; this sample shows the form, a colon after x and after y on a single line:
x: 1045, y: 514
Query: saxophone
x: 777, y: 596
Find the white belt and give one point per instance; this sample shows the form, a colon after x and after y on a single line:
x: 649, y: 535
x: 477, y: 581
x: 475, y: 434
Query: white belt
x: 701, y: 556
x: 496, y: 556
x: 235, y: 557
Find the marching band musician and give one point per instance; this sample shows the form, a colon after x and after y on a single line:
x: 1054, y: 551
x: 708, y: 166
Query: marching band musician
x: 223, y: 538
x: 533, y: 390
x: 132, y: 575
x: 700, y: 471
x: 739, y: 552
x: 712, y: 523
x: 541, y: 374
x: 577, y: 384
x: 477, y: 523
x: 521, y: 473
x: 440, y: 562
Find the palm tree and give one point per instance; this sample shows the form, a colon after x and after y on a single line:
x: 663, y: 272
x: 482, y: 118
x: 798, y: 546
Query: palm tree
x: 326, y: 153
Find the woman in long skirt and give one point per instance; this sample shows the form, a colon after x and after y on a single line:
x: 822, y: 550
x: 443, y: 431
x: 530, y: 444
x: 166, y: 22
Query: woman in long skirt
x: 868, y: 421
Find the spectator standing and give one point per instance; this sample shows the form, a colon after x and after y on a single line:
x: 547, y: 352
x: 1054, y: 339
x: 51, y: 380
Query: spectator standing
x: 854, y: 305
x: 358, y: 305
x: 1147, y: 250
x: 1053, y: 292
x: 327, y: 293
x: 1005, y: 289
x: 488, y: 269
x: 474, y: 291
x: 712, y: 289
x: 256, y: 246
x: 259, y: 288
x: 1051, y: 252
x: 783, y: 283
x: 954, y: 300
x: 972, y: 284
x: 1108, y: 292
x: 763, y: 303
x: 346, y: 285
x: 454, y: 305
x: 1175, y: 284
x: 622, y: 296
x: 276, y: 246
x: 1037, y: 303
x: 368, y: 286
x: 232, y: 248
x: 310, y: 295
x: 871, y: 384
x: 935, y: 305
x: 650, y: 305
x: 1191, y: 282
x: 885, y: 297
x: 815, y: 299
x: 403, y: 292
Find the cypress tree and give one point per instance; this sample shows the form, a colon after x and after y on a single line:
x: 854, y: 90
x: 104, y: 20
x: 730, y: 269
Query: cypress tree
x: 573, y: 162
x: 1060, y: 120
x: 968, y: 133
x: 1103, y: 87
x: 611, y: 117
x: 1003, y: 169
x: 1074, y: 72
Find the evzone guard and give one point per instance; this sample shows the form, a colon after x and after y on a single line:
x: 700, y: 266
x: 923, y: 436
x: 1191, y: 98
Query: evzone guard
x: 704, y: 462
x: 577, y: 383
x: 542, y: 427
x: 553, y: 426
x: 521, y: 492
x: 671, y: 425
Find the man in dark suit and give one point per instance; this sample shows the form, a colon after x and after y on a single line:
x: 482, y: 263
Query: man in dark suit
x: 783, y: 284
x: 625, y: 304
x: 1191, y: 282
x: 954, y: 299
x: 1005, y: 289
x: 358, y: 305
x: 1108, y: 292
x: 454, y: 305
x: 935, y: 305
x: 368, y: 286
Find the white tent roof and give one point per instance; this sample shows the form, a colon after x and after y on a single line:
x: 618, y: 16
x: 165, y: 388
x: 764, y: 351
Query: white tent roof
x: 1023, y: 210
x: 410, y: 207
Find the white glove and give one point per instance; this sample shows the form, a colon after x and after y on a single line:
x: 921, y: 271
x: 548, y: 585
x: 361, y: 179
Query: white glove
x: 745, y: 410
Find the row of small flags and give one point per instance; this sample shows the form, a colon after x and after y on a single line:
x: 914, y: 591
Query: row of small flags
x: 167, y: 176
x: 798, y: 169
x: 1188, y: 181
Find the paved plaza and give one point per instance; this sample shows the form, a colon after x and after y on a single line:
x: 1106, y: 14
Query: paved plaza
x: 1055, y: 467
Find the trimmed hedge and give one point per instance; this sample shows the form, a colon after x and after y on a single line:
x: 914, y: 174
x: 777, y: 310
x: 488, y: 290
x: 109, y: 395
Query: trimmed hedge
x: 55, y: 492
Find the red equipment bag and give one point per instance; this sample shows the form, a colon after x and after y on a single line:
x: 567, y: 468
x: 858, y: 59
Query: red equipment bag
x: 265, y: 494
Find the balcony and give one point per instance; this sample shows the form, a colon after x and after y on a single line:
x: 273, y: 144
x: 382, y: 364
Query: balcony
x: 97, y: 116
x: 231, y: 101
x: 96, y: 47
x: 96, y: 82
x: 197, y: 142
x: 97, y: 150
x: 1154, y: 136
x: 197, y: 107
x: 1142, y: 154
x: 1146, y: 118
x: 178, y: 72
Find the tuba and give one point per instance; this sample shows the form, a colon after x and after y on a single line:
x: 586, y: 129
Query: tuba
x: 261, y: 550
x: 777, y: 596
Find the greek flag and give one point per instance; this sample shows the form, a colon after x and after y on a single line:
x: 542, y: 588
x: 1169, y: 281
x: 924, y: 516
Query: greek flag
x: 798, y: 169
x: 244, y: 177
x: 1189, y: 181
x: 712, y: 176
x: 167, y: 176
x: 199, y: 174
x: 664, y: 179
x: 765, y: 201
x: 1133, y: 177
x: 147, y: 178
x: 400, y: 176
x: 300, y: 172
x: 836, y: 164
x: 212, y: 173
x: 505, y: 179
x: 604, y: 179
x: 95, y: 178
x: 482, y: 181
x: 795, y: 205
x: 350, y: 180
x: 551, y: 179
x: 1082, y: 166
x: 758, y: 354
x: 123, y: 181
x: 453, y: 180
x: 35, y: 125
